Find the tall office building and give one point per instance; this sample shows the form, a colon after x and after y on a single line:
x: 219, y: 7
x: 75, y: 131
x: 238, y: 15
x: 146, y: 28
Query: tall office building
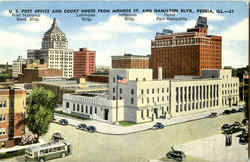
x: 55, y: 52
x: 84, y: 62
x: 186, y: 53
x: 129, y: 61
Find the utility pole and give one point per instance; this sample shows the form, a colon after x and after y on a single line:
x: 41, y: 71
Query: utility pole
x: 116, y: 97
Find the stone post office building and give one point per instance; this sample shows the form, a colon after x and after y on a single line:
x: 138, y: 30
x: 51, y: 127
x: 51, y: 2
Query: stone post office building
x: 145, y: 99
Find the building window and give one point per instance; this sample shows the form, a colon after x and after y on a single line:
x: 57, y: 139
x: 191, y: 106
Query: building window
x: 113, y: 79
x: 162, y: 98
x: 147, y: 100
x: 74, y: 107
x: 142, y: 114
x: 147, y: 91
x: 95, y: 110
x: 158, y: 99
x: 113, y: 90
x: 158, y: 90
x: 177, y: 94
x: 67, y: 104
x: 185, y: 107
x: 4, y: 103
x: 162, y: 90
x: 177, y: 110
x: 86, y: 110
x: 147, y: 112
x: 120, y: 98
x: 180, y: 107
x: 192, y: 106
x: 2, y: 118
x: 132, y: 91
x: 132, y: 100
x: 113, y: 97
x: 120, y: 91
x: 153, y: 91
x: 90, y: 110
x: 142, y: 91
x: 78, y: 107
x: 81, y: 108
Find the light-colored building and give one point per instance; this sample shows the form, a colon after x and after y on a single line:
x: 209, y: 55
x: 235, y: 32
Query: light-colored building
x: 94, y: 106
x: 54, y: 51
x: 18, y: 66
x: 146, y: 99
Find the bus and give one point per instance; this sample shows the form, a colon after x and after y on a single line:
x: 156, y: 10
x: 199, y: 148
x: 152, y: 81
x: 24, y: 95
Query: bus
x: 48, y: 151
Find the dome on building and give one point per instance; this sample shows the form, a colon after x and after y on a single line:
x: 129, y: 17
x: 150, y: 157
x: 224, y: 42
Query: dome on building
x: 54, y: 38
x: 54, y: 29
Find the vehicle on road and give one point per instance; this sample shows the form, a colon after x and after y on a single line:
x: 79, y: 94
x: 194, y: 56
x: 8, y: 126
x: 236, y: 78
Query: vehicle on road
x: 63, y: 122
x: 176, y: 155
x: 240, y: 109
x: 91, y: 129
x: 225, y: 127
x: 48, y: 151
x: 56, y: 137
x: 226, y: 112
x: 244, y: 122
x: 82, y: 127
x: 243, y: 140
x: 212, y: 115
x: 158, y: 125
x: 233, y: 111
x: 231, y: 128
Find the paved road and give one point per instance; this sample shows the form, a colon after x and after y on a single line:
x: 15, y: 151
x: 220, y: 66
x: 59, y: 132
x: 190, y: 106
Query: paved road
x: 138, y: 147
x: 107, y: 128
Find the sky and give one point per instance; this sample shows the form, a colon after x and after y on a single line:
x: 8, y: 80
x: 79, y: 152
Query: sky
x: 110, y: 34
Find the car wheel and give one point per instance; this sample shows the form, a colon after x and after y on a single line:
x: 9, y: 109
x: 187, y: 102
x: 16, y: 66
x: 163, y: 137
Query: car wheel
x: 63, y: 155
x: 42, y: 160
x: 169, y: 156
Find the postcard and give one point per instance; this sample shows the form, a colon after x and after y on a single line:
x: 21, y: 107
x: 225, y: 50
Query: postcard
x: 107, y: 81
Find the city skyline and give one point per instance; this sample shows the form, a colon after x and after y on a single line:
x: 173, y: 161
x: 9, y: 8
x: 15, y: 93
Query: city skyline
x: 122, y: 36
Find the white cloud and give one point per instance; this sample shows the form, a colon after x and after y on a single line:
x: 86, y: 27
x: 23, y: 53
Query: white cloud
x: 6, y: 13
x: 108, y: 30
x: 183, y: 27
x: 42, y: 25
x: 213, y: 16
x: 15, y: 44
x: 238, y: 31
x: 147, y: 18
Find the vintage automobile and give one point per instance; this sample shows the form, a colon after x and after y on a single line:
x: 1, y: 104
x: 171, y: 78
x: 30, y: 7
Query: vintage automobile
x: 63, y: 122
x: 82, y: 127
x: 212, y: 115
x: 158, y: 125
x: 91, y: 129
x: 176, y: 155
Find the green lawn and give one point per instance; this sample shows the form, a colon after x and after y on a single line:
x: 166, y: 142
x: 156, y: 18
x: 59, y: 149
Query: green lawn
x: 126, y: 123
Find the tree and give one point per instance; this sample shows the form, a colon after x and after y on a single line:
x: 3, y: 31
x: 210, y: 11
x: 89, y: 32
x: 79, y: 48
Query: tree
x: 40, y: 111
x: 246, y: 108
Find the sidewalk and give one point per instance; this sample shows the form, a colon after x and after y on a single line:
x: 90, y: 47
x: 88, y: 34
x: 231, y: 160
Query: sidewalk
x: 107, y: 128
x: 16, y: 148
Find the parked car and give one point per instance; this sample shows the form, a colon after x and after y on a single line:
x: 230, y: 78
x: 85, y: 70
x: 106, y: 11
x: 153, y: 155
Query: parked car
x: 212, y: 115
x: 63, y: 122
x: 176, y: 155
x: 244, y: 122
x: 240, y: 109
x: 158, y: 125
x: 233, y: 111
x: 226, y: 112
x: 81, y: 126
x: 230, y: 129
x: 243, y: 140
x: 56, y: 137
x: 225, y: 127
x: 91, y: 129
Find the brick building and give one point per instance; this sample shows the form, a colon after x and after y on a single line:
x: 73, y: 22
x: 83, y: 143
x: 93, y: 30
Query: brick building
x: 129, y: 61
x: 84, y: 62
x: 35, y: 72
x: 186, y: 53
x: 12, y: 110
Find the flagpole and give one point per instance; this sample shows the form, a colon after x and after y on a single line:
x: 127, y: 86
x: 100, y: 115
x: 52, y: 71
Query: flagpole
x: 116, y: 99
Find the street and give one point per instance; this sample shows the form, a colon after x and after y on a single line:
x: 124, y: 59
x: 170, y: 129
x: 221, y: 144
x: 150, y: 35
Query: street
x: 143, y: 146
